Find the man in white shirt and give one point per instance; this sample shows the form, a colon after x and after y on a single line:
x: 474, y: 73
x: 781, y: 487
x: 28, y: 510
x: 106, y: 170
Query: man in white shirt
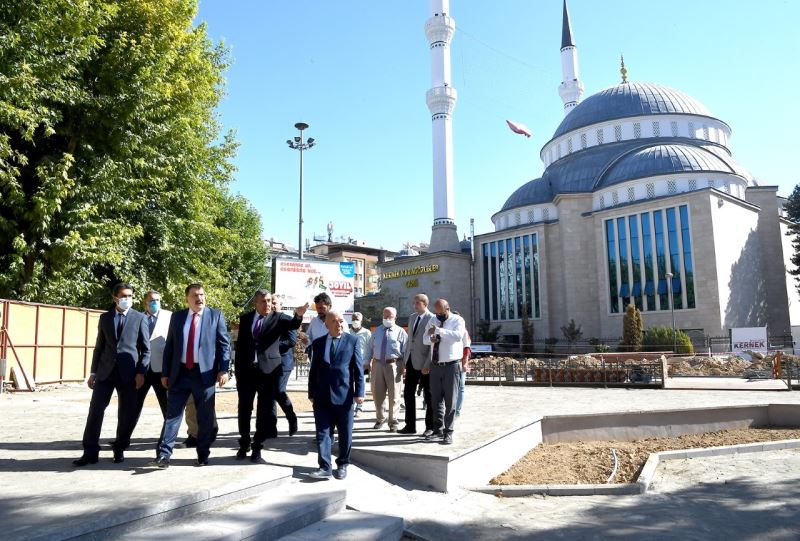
x: 446, y: 336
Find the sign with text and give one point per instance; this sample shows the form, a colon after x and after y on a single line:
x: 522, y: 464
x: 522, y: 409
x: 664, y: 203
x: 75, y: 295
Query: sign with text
x: 749, y: 339
x: 298, y: 281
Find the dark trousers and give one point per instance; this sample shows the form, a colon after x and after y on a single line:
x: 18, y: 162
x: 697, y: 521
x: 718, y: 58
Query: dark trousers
x: 283, y: 397
x: 151, y: 379
x: 413, y: 378
x: 189, y: 382
x: 326, y: 417
x: 265, y: 386
x: 126, y: 413
x: 444, y: 388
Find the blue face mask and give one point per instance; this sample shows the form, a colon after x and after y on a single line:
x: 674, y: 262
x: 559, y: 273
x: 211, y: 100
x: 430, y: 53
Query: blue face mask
x: 155, y: 306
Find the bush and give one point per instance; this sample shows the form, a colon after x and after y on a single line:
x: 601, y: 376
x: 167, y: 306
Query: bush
x: 660, y: 339
x: 599, y: 347
x: 633, y: 329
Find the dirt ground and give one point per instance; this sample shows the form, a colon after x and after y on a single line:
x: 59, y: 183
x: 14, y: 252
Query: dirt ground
x: 592, y: 462
x: 227, y: 401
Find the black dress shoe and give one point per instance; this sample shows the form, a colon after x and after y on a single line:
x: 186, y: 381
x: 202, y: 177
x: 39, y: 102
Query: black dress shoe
x: 190, y: 442
x: 293, y: 426
x: 447, y: 439
x: 340, y: 472
x: 434, y: 435
x: 84, y: 460
x: 119, y: 457
x: 201, y: 461
x: 241, y: 454
x: 406, y: 430
x: 427, y: 433
x: 256, y: 456
x: 320, y: 475
x: 162, y: 463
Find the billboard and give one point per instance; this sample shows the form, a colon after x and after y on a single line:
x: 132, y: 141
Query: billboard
x: 298, y: 281
x: 749, y: 339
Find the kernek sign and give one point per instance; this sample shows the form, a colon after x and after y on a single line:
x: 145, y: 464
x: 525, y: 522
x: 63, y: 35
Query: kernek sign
x: 749, y: 339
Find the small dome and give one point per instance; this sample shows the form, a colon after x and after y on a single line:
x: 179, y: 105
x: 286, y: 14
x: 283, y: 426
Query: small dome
x: 407, y: 252
x: 662, y: 160
x: 627, y: 100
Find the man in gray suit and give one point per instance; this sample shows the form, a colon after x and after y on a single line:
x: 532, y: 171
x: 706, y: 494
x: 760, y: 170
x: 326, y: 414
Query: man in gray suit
x: 416, y: 355
x: 120, y: 361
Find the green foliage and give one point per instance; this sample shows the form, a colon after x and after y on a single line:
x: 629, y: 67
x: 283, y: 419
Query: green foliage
x: 112, y: 161
x: 572, y: 333
x: 792, y: 208
x: 599, y: 347
x: 632, y: 329
x: 550, y: 344
x: 660, y: 339
x: 486, y: 332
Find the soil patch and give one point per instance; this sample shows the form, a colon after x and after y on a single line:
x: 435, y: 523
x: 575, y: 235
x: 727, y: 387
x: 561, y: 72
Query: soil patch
x: 591, y: 462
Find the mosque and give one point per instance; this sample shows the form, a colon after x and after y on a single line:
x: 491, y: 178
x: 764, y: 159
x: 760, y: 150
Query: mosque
x: 641, y: 202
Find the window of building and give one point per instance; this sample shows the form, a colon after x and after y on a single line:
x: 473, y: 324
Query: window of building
x: 511, y: 278
x: 599, y: 137
x: 494, y: 274
x: 672, y: 187
x: 569, y: 145
x: 661, y: 260
x: 545, y: 214
x: 637, y: 130
x: 501, y: 250
x: 688, y: 268
x: 691, y: 130
x: 583, y: 140
x: 656, y: 129
x: 674, y: 126
x: 486, y: 282
x: 636, y: 267
x: 651, y: 190
x: 615, y: 198
x: 618, y: 133
x: 612, y: 267
x: 622, y: 247
x: 519, y: 291
x: 692, y: 184
x: 647, y: 253
x: 674, y: 258
x: 631, y: 194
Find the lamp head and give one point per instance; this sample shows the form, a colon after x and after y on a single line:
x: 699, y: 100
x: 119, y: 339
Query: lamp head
x: 301, y: 126
x: 310, y: 140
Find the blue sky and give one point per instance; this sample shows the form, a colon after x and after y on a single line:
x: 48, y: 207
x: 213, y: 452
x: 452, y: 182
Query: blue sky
x: 356, y: 71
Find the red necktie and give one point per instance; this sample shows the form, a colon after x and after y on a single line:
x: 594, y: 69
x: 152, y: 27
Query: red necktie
x: 190, y: 343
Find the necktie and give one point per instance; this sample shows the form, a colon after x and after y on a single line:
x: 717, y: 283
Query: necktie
x: 332, y: 350
x: 152, y: 324
x: 120, y: 325
x: 383, y: 345
x: 416, y: 324
x: 190, y: 342
x: 257, y: 330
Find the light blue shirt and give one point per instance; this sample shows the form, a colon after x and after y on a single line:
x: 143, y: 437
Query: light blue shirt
x: 396, y: 343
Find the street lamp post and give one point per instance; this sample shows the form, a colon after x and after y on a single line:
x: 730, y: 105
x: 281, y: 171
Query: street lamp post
x: 299, y: 144
x: 669, y: 276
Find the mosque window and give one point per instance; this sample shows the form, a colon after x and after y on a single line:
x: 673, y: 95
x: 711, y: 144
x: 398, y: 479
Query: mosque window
x: 535, y: 275
x: 688, y: 269
x: 651, y: 190
x: 530, y: 216
x: 519, y: 292
x: 637, y: 130
x: 636, y: 267
x: 691, y: 130
x: 494, y: 275
x: 705, y: 133
x: 599, y: 137
x: 569, y: 145
x: 550, y: 155
x: 692, y: 184
x: 517, y: 219
x: 529, y: 283
x: 559, y: 150
x: 674, y: 126
x: 622, y: 239
x: 631, y: 194
x: 674, y: 258
x: 672, y: 187
x: 501, y: 259
x: 583, y: 140
x: 612, y: 267
x: 602, y: 201
x: 545, y: 214
x: 614, y: 198
x: 647, y: 258
x: 656, y: 129
x: 486, y: 282
x: 661, y: 260
x: 618, y: 132
x: 727, y: 187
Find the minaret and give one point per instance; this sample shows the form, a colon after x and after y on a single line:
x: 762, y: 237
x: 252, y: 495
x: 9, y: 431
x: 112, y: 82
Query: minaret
x: 571, y: 88
x: 441, y: 100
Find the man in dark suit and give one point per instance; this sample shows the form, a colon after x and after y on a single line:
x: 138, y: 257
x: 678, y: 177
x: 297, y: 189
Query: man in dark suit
x: 196, y: 357
x: 287, y: 343
x: 120, y: 361
x: 335, y: 381
x: 258, y: 370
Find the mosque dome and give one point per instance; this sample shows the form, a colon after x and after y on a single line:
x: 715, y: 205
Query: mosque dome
x: 628, y: 100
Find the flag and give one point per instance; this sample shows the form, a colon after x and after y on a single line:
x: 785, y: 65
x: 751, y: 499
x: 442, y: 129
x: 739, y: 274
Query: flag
x: 521, y: 129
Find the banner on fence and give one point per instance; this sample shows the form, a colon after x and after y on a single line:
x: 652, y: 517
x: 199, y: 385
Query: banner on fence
x: 749, y: 339
x: 481, y: 348
x: 298, y: 281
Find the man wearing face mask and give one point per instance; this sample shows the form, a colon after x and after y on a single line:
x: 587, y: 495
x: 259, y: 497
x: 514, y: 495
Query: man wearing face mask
x: 157, y: 324
x: 445, y: 335
x: 120, y: 361
x: 363, y: 336
x: 386, y: 349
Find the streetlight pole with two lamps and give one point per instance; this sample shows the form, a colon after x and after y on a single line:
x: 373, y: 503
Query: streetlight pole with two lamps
x: 669, y: 276
x: 299, y: 144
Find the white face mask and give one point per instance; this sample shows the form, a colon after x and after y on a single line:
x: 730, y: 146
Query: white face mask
x: 124, y: 303
x: 388, y: 323
x: 356, y: 325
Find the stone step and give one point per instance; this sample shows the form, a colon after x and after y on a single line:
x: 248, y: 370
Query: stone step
x: 269, y: 516
x: 351, y: 526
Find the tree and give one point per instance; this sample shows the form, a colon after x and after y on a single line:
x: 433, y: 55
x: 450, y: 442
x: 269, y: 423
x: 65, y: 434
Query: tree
x: 572, y: 333
x: 792, y: 209
x: 486, y: 332
x: 527, y: 330
x: 660, y: 339
x: 112, y: 161
x: 632, y: 329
